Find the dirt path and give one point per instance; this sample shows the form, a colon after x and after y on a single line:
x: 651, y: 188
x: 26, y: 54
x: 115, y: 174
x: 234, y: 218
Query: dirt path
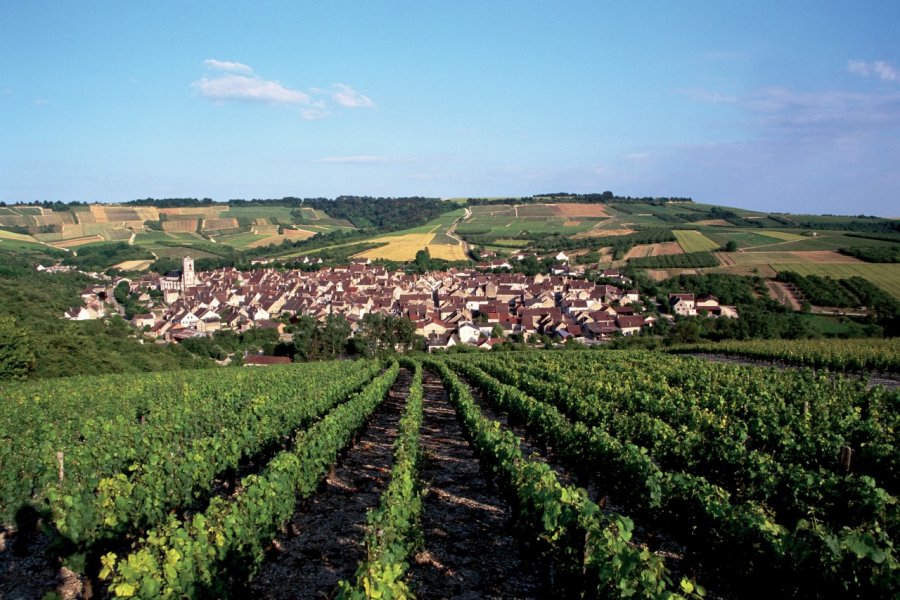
x: 324, y: 540
x: 469, y: 549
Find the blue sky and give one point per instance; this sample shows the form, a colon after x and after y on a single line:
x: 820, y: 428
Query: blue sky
x: 792, y: 107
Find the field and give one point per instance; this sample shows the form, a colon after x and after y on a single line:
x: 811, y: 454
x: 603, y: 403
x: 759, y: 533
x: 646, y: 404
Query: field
x: 134, y: 265
x: 447, y: 252
x: 690, y: 479
x: 886, y: 276
x: 274, y: 214
x: 662, y: 249
x: 180, y: 226
x: 217, y: 224
x: 572, y: 210
x: 398, y: 247
x: 694, y: 241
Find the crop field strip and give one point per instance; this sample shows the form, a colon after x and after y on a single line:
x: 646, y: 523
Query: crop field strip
x: 194, y: 555
x: 219, y: 428
x: 696, y: 473
x: 463, y: 519
x: 885, y: 276
x: 854, y: 355
x: 591, y: 548
x: 676, y: 501
x: 322, y: 543
x: 694, y: 241
x: 539, y: 432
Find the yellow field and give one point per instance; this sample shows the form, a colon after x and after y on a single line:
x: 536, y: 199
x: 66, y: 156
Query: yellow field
x: 180, y: 226
x: 780, y: 235
x: 694, y: 241
x: 216, y: 224
x: 264, y: 228
x: 203, y: 212
x: 289, y: 234
x: 21, y: 237
x: 134, y: 265
x: 78, y: 241
x: 447, y: 252
x: 399, y: 247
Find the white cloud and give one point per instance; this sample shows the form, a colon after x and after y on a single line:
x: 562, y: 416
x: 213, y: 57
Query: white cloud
x: 237, y: 81
x: 878, y: 68
x: 348, y: 97
x: 249, y: 89
x: 227, y: 66
x: 314, y: 114
x: 41, y: 102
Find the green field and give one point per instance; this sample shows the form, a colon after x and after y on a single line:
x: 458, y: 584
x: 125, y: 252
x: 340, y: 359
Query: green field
x: 886, y: 276
x: 240, y: 240
x: 275, y: 214
x: 694, y: 241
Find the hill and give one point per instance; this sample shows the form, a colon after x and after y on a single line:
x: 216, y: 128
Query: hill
x: 664, y: 236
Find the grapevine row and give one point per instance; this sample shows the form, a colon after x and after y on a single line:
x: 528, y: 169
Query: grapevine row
x: 867, y: 354
x: 699, y: 443
x: 184, y: 557
x: 171, y: 476
x: 742, y: 538
x: 52, y: 430
x: 571, y: 526
x: 803, y: 421
x: 394, y: 528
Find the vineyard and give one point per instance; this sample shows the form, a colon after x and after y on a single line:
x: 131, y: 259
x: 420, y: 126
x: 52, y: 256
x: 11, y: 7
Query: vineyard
x: 547, y: 474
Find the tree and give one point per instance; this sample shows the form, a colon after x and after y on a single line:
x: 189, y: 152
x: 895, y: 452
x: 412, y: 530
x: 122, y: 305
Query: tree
x: 423, y: 260
x: 385, y: 334
x: 16, y: 358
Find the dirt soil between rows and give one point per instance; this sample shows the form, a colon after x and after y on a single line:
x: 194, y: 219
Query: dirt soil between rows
x: 469, y: 548
x: 325, y: 540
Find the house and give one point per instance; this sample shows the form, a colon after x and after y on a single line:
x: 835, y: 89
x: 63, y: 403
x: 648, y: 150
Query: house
x: 80, y: 313
x: 440, y: 341
x: 683, y: 304
x: 630, y: 325
x: 468, y: 333
x: 143, y: 320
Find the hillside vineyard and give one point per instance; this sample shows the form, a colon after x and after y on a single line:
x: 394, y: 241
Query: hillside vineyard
x: 627, y: 473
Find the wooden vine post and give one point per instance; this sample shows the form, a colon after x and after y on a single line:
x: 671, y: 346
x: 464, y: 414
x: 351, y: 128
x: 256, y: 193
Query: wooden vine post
x: 60, y: 456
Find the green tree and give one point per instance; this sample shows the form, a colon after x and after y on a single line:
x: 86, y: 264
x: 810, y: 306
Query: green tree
x: 16, y: 358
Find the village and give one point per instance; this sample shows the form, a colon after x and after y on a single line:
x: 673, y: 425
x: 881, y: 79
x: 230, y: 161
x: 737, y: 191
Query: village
x: 458, y: 306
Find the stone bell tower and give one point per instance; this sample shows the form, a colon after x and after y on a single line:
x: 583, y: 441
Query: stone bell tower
x: 188, y: 279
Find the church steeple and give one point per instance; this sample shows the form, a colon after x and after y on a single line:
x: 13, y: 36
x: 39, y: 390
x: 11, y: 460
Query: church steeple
x: 188, y: 278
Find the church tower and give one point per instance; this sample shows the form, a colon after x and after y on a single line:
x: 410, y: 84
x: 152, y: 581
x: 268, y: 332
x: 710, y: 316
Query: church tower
x: 188, y: 279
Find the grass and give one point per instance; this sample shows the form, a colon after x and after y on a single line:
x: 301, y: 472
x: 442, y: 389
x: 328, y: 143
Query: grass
x: 509, y: 243
x: 240, y: 240
x: 787, y: 257
x: 11, y: 235
x: 694, y: 241
x: 785, y: 236
x: 885, y: 276
x: 275, y: 214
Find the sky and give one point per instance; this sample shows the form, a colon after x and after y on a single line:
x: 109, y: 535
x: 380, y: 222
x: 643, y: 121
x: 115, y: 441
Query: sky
x: 777, y: 106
